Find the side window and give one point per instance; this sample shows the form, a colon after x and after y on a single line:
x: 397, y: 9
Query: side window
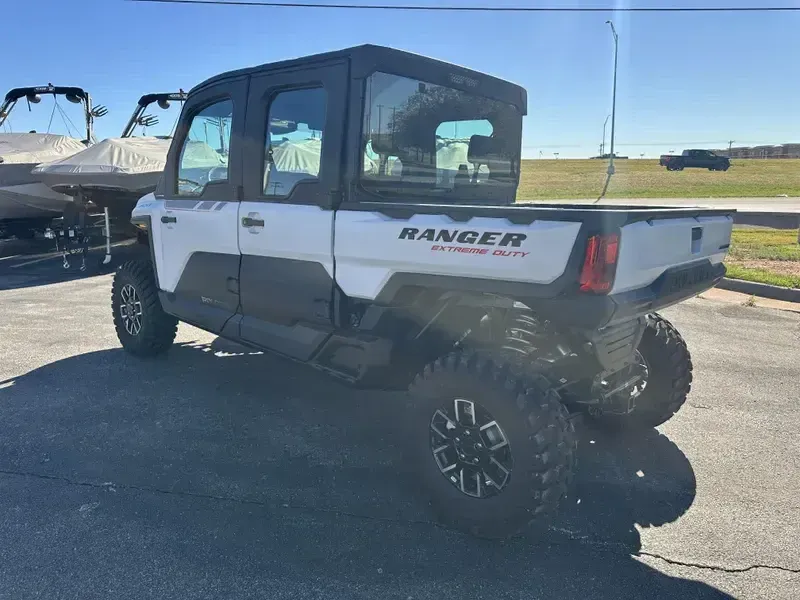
x: 294, y: 138
x: 204, y: 156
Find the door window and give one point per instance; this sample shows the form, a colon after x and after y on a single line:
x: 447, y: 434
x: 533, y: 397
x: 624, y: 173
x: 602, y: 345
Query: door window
x: 294, y: 138
x: 204, y: 155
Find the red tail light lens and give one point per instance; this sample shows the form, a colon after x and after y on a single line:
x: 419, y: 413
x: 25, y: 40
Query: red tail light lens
x: 600, y: 263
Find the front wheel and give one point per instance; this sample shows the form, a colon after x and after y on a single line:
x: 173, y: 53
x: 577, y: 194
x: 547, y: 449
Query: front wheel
x: 143, y: 328
x: 494, y: 451
x: 667, y: 367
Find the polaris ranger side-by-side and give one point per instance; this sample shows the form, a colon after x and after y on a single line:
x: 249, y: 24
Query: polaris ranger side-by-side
x: 363, y: 223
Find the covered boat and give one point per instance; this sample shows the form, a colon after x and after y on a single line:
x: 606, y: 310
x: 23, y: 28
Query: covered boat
x: 118, y: 171
x: 27, y: 204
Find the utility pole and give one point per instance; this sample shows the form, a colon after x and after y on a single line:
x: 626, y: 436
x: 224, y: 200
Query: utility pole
x: 613, y: 98
x: 730, y: 144
x: 603, y: 145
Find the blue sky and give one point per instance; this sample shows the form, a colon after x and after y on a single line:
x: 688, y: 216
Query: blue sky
x: 683, y: 78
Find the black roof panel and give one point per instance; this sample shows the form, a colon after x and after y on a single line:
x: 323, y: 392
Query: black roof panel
x: 368, y: 58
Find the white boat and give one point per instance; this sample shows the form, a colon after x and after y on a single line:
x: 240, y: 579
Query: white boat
x: 27, y: 204
x: 118, y: 171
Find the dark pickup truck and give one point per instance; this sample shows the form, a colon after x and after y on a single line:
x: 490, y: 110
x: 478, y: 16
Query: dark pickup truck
x: 701, y: 159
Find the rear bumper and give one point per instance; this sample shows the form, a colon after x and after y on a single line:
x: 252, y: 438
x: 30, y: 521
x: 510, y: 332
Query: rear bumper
x: 660, y: 294
x: 589, y: 312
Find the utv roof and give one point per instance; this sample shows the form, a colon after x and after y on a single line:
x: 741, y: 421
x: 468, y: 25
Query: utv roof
x: 368, y: 58
x: 17, y: 93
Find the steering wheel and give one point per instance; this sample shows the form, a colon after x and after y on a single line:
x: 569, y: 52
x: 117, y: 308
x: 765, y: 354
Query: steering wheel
x: 218, y: 173
x: 196, y: 187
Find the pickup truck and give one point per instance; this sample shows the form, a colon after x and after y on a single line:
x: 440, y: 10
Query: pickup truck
x: 504, y: 323
x: 701, y: 159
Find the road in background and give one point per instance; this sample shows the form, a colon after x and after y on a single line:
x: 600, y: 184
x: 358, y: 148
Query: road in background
x: 776, y: 205
x: 216, y: 472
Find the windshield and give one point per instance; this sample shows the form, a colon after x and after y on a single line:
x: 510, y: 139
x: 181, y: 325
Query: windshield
x: 436, y: 142
x: 158, y: 119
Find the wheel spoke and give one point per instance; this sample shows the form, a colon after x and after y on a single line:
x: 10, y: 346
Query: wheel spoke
x: 465, y: 412
x: 494, y: 436
x: 496, y: 473
x: 442, y: 425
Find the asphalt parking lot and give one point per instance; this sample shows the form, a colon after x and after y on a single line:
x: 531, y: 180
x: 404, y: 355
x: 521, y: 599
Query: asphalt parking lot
x: 221, y: 473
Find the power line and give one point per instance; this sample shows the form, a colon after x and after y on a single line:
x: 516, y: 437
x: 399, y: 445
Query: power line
x: 508, y: 9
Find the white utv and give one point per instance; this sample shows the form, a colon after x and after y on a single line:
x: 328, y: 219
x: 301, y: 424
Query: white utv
x: 362, y: 221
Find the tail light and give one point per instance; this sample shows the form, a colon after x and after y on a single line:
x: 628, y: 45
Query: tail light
x: 599, y: 263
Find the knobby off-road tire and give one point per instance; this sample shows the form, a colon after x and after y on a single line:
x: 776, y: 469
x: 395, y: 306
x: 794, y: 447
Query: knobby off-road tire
x: 669, y: 377
x: 541, y: 442
x: 134, y: 294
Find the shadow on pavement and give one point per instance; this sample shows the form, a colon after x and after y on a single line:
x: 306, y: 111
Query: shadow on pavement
x: 31, y: 263
x: 224, y: 466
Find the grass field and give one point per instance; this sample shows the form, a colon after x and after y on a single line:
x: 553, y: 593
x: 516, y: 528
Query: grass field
x: 765, y: 256
x: 562, y: 179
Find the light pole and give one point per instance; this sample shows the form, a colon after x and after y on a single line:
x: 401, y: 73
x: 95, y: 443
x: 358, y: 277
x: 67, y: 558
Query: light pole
x: 613, y: 98
x: 603, y: 145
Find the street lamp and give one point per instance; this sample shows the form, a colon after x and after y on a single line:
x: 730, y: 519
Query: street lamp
x: 603, y: 145
x: 613, y: 98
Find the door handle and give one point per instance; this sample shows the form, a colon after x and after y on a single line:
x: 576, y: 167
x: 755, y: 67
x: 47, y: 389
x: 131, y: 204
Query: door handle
x: 166, y: 219
x: 251, y: 222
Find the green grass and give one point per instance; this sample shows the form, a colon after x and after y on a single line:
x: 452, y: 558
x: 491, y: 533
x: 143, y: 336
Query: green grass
x: 563, y: 179
x: 762, y: 276
x: 765, y: 256
x: 766, y: 244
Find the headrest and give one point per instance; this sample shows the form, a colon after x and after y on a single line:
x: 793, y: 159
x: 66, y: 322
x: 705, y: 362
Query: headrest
x: 484, y: 149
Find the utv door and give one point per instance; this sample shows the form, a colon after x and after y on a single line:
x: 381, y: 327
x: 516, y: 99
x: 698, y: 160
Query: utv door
x: 196, y: 245
x: 295, y: 127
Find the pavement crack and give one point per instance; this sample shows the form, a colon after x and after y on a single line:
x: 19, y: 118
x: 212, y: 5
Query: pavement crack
x: 111, y: 486
x: 719, y: 568
x: 700, y: 406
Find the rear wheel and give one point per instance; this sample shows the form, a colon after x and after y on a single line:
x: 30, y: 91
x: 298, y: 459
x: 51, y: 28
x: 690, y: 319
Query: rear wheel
x: 143, y: 328
x: 495, y: 451
x: 666, y: 364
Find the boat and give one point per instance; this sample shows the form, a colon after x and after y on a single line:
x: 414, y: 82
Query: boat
x: 27, y: 204
x: 114, y: 173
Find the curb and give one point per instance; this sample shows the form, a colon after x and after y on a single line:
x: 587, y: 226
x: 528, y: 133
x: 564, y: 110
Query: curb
x: 760, y: 289
x: 775, y: 220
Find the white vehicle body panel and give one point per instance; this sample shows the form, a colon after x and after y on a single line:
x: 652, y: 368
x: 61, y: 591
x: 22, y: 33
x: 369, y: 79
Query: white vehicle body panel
x: 201, y: 226
x: 647, y: 249
x: 369, y: 250
x: 297, y: 232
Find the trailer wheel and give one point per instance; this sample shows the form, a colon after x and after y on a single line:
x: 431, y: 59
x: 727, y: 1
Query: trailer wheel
x: 493, y: 450
x: 143, y: 328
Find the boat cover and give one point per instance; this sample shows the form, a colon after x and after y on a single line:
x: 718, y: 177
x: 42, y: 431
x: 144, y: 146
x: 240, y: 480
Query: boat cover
x: 131, y: 164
